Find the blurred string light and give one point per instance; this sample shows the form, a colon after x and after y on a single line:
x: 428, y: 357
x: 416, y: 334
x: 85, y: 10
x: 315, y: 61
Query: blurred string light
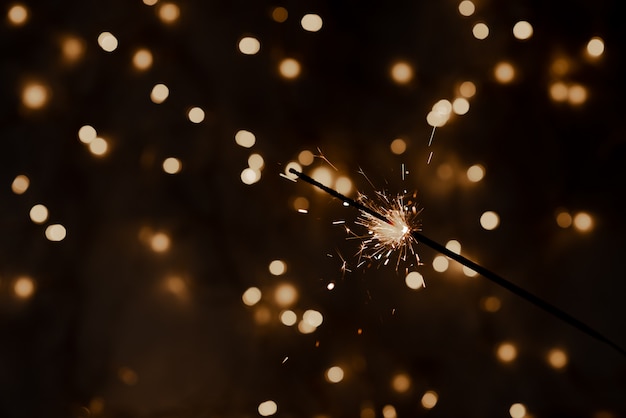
x: 440, y: 263
x: 17, y: 14
x: 150, y: 2
x: 311, y: 22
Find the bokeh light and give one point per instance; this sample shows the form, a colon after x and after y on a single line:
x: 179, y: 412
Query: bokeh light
x: 249, y: 45
x: 517, y: 410
x: 595, y: 47
x: 504, y: 72
x: 467, y: 8
x: 506, y: 352
x: 17, y: 14
x: 522, y: 30
x: 160, y: 242
x: 490, y: 304
x: 489, y: 220
x: 251, y: 296
x: 475, y: 173
x: 39, y: 214
x: 429, y: 399
x: 35, y: 95
x: 142, y: 59
x: 277, y: 267
x: 402, y: 72
x: 557, y: 358
x: 460, y: 106
x: 245, y: 139
x: 56, y: 232
x: 398, y: 146
x: 72, y: 48
x: 99, y: 146
x: 159, y: 93
x: 414, y: 280
x: 480, y: 31
x: 564, y: 219
x: 20, y: 184
x: 24, y: 287
x: 195, y: 114
x: 334, y: 374
x: 107, y: 41
x: 172, y: 165
x: 440, y: 263
x: 311, y: 22
x: 401, y: 382
x: 467, y: 89
x: 280, y: 14
x: 289, y: 68
x: 267, y: 408
x: 288, y: 318
x: 168, y: 12
x: 285, y: 295
x: 583, y: 222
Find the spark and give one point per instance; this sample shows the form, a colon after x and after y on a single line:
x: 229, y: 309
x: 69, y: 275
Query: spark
x: 389, y: 214
x: 391, y: 235
x: 323, y: 157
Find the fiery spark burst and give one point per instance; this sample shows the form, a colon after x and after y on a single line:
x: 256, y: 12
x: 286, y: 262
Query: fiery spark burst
x: 390, y: 233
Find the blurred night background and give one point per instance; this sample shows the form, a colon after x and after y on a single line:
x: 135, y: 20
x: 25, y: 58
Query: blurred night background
x: 157, y: 261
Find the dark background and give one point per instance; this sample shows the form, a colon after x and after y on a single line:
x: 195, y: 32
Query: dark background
x: 102, y: 336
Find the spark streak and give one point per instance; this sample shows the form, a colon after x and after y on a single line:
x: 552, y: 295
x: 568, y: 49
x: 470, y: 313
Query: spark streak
x: 388, y: 219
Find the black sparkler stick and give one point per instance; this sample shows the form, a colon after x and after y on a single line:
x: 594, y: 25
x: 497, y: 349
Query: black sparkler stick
x: 488, y: 274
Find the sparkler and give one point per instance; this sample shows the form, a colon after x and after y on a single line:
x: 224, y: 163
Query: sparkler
x: 392, y: 230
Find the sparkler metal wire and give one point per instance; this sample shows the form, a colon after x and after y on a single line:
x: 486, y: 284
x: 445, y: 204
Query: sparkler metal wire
x: 488, y: 274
